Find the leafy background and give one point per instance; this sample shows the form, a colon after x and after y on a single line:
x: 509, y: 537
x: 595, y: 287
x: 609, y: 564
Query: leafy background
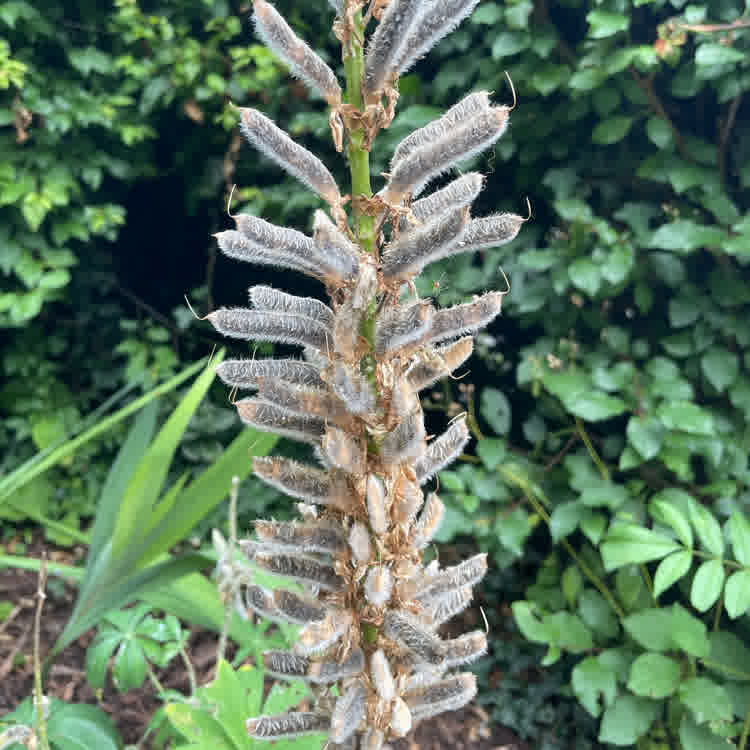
x: 609, y: 479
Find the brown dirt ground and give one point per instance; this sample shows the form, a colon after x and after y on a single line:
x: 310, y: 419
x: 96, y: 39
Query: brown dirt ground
x: 468, y: 729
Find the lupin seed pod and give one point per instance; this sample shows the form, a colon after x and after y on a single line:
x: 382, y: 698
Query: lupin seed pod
x: 303, y: 62
x: 368, y: 607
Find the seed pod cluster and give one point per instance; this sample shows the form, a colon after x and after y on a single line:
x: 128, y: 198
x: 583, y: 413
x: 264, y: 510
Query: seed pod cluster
x: 368, y: 607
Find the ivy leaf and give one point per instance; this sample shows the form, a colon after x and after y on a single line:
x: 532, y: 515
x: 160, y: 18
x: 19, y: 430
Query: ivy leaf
x: 707, y: 585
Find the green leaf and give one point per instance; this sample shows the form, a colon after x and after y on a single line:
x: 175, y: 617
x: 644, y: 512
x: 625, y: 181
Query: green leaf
x: 144, y: 488
x: 707, y: 585
x: 225, y: 691
x: 631, y: 544
x: 492, y: 452
x: 739, y: 534
x: 720, y: 367
x: 651, y: 628
x: 686, y: 417
x: 737, y: 593
x: 76, y: 726
x: 707, y: 528
x: 605, y: 23
x: 597, y: 613
x: 487, y: 14
x: 688, y: 632
x: 707, y: 700
x: 586, y: 275
x: 531, y: 628
x: 659, y: 132
x: 612, y: 130
x: 568, y: 632
x: 669, y: 514
x: 496, y: 410
x: 97, y: 657
x: 729, y: 656
x: 565, y: 519
x: 591, y: 680
x: 129, y: 668
x: 596, y: 406
x: 684, y: 235
x: 508, y: 43
x: 627, y: 719
x: 671, y: 569
x: 654, y: 676
x: 718, y: 54
x: 645, y: 435
x: 694, y: 737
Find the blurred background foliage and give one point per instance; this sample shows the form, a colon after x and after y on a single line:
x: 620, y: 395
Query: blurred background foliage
x: 611, y: 403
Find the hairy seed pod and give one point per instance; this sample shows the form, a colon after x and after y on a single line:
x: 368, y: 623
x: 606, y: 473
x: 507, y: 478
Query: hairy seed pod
x: 464, y: 649
x: 298, y: 161
x: 372, y: 739
x: 321, y: 536
x: 457, y: 116
x: 328, y: 672
x: 353, y: 388
x: 343, y: 451
x: 376, y: 504
x: 408, y: 632
x: 236, y: 245
x: 382, y: 677
x: 302, y: 61
x: 467, y: 573
x: 348, y: 713
x: 457, y: 194
x: 490, y: 231
x: 384, y: 46
x: 428, y: 522
x: 447, y: 695
x: 404, y: 399
x: 442, y: 451
x: 286, y: 665
x: 304, y: 401
x: 405, y: 441
x: 378, y: 585
x: 331, y: 240
x: 359, y: 543
x: 412, y: 173
x: 267, y: 298
x: 401, y: 327
x: 293, y: 478
x: 293, y: 724
x: 441, y: 609
x: 408, y: 499
x: 438, y: 21
x: 443, y: 361
x: 401, y: 720
x: 458, y: 320
x: 260, y: 601
x: 298, y: 609
x: 284, y: 328
x: 406, y: 256
x: 270, y: 418
x: 317, y: 637
x: 245, y: 373
x: 300, y: 568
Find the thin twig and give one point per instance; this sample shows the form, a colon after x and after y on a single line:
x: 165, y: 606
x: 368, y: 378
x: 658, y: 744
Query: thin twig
x: 41, y: 722
x: 726, y: 131
x: 603, y: 470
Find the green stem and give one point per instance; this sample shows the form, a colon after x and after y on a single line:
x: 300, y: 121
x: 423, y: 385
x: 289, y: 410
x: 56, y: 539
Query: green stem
x: 41, y: 722
x: 745, y: 732
x: 359, y: 157
x: 542, y: 511
x: 603, y: 470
